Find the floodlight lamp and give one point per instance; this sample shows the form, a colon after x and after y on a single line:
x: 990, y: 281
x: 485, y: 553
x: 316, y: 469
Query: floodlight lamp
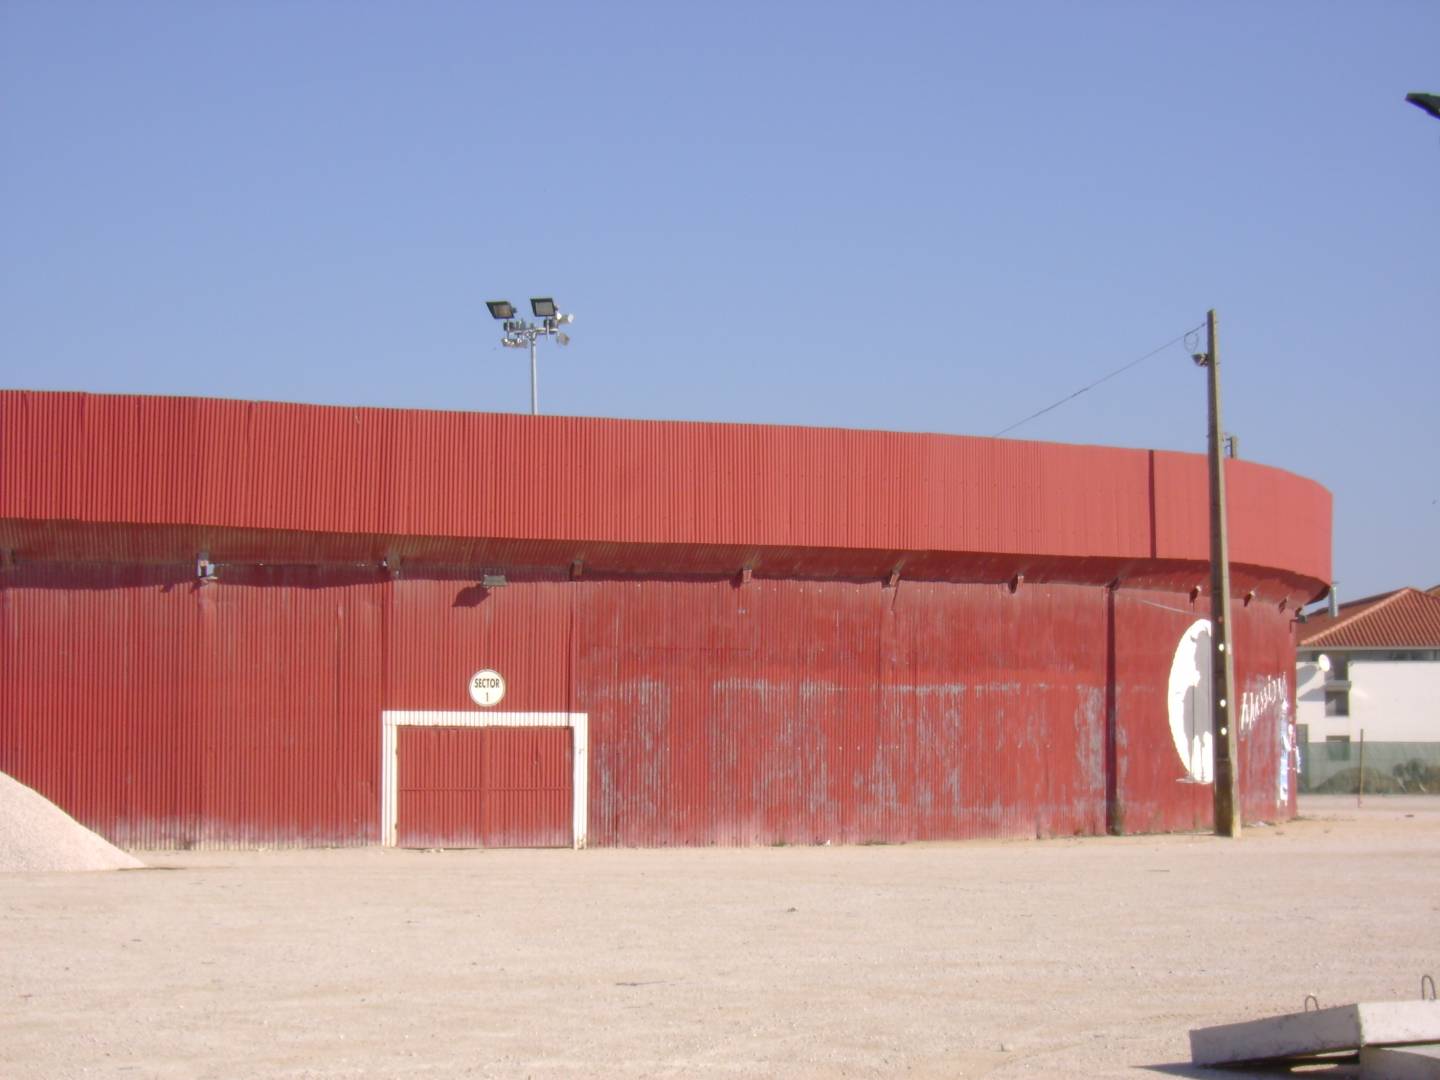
x: 1430, y: 103
x: 494, y: 581
x: 566, y: 318
x: 563, y: 338
x: 500, y: 309
x: 543, y: 307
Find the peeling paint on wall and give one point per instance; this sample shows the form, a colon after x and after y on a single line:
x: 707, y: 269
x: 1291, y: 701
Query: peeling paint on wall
x: 1265, y: 711
x: 819, y: 715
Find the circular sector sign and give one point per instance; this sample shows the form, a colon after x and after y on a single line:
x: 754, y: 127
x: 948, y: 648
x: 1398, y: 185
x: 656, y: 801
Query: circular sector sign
x: 487, y: 688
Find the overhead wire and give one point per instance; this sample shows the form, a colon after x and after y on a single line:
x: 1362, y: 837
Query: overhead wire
x: 1105, y: 378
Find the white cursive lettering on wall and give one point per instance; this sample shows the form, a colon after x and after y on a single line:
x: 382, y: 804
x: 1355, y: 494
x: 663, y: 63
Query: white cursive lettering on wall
x: 1273, y: 692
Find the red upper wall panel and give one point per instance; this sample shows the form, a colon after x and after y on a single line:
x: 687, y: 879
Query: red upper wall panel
x: 67, y: 457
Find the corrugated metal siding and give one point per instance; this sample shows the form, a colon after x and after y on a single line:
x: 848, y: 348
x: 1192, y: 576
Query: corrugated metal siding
x: 1153, y: 793
x: 807, y: 712
x: 378, y: 472
x: 172, y: 714
x: 439, y: 782
x: 1265, y: 689
x: 528, y: 787
x: 484, y: 787
x: 248, y: 711
x: 808, y: 704
x: 239, y: 551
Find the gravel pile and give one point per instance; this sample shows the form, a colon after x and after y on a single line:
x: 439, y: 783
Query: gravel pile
x: 35, y: 834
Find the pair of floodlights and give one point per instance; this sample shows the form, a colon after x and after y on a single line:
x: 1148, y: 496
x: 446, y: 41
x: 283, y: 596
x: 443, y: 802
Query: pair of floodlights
x: 519, y: 333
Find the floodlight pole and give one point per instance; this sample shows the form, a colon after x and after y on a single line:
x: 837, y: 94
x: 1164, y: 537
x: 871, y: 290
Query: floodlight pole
x: 521, y: 332
x: 1222, y: 661
x: 534, y: 381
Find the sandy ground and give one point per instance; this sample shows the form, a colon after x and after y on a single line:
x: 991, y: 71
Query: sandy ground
x: 1054, y: 958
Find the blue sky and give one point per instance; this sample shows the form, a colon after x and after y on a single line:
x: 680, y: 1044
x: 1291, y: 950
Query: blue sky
x: 919, y: 217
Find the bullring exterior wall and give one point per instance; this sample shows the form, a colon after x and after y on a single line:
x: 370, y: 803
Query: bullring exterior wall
x: 776, y: 635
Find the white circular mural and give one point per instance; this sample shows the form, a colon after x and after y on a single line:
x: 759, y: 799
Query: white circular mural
x: 1190, y: 724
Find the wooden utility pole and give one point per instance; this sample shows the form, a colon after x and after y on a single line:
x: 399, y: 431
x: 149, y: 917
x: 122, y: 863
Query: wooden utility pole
x: 1222, y: 664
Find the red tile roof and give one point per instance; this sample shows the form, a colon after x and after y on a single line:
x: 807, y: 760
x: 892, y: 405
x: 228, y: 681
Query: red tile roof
x: 1404, y: 619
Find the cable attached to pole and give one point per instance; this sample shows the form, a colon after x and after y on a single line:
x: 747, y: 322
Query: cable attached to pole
x: 1104, y: 378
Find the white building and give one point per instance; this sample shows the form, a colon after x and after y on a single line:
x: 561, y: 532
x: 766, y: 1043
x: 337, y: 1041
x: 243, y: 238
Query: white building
x: 1371, y: 669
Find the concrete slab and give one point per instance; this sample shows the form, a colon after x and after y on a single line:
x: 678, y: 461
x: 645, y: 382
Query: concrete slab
x: 1321, y: 1031
x: 1400, y: 1062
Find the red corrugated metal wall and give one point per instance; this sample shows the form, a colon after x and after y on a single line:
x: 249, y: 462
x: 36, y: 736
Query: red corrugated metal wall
x: 248, y: 711
x: 484, y: 787
x: 808, y: 703
x: 386, y: 473
x: 1265, y: 685
x: 1153, y: 792
x: 169, y: 714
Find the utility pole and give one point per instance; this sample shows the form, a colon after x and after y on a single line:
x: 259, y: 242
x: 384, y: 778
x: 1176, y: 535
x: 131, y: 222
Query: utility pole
x: 1222, y: 663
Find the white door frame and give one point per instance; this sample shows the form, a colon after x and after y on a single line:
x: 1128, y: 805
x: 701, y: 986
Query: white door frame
x: 391, y: 721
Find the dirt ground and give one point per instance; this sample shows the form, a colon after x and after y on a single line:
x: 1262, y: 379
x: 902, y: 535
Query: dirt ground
x: 1085, y: 957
